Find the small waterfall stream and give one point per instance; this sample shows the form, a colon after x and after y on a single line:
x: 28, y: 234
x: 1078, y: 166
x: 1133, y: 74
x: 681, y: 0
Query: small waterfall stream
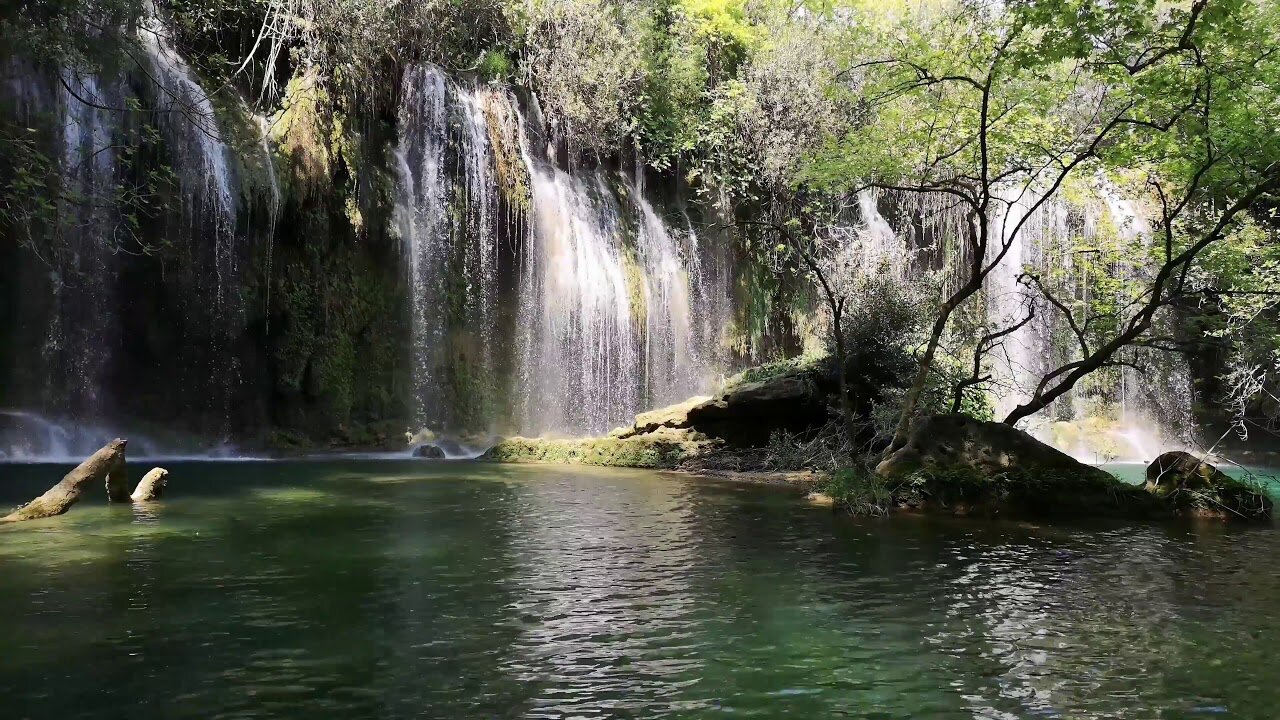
x: 84, y: 328
x: 202, y: 160
x: 200, y: 157
x: 607, y: 304
x: 1122, y: 421
x: 445, y: 213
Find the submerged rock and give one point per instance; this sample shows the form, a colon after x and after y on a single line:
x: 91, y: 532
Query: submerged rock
x: 103, y: 465
x: 152, y: 485
x: 970, y: 465
x: 1198, y: 488
x: 429, y: 452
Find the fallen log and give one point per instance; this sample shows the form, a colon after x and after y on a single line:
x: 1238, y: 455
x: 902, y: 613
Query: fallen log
x: 100, y: 467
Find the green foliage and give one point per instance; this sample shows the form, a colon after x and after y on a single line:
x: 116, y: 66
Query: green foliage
x: 798, y: 365
x: 45, y: 207
x: 584, y: 58
x: 859, y: 492
x: 82, y: 34
x: 495, y: 66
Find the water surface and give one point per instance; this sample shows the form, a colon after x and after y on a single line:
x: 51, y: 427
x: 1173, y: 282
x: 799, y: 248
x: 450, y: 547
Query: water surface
x: 354, y: 589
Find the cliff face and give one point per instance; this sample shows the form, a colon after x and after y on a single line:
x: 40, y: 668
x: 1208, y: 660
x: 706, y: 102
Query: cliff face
x: 348, y: 269
x: 199, y: 272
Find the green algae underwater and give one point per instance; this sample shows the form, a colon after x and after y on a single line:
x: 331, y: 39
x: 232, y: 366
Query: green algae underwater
x: 360, y: 588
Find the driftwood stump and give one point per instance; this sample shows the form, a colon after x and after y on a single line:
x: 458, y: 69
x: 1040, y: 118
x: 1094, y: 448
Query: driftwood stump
x: 118, y: 481
x: 101, y: 466
x: 151, y: 486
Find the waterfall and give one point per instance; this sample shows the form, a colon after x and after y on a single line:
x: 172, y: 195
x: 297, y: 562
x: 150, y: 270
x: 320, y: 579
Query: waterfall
x: 607, y: 303
x: 614, y: 311
x: 84, y: 325
x: 1107, y: 419
x: 421, y: 217
x: 881, y: 248
x: 201, y: 159
x: 96, y: 234
x: 274, y: 212
x: 446, y: 211
x: 1155, y: 408
x: 198, y: 153
x: 1117, y: 414
x: 581, y: 355
x: 1023, y: 356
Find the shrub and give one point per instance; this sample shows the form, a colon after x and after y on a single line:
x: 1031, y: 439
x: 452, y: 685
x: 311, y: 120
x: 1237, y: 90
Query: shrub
x: 859, y: 491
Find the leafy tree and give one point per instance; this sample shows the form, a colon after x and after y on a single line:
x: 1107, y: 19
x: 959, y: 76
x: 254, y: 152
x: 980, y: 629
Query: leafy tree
x: 996, y: 105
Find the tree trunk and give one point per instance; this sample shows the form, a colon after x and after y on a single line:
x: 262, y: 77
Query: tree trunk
x: 59, y: 498
x: 118, y: 482
x: 912, y: 400
x: 842, y: 384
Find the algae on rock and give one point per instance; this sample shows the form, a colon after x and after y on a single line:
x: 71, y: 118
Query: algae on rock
x: 656, y: 450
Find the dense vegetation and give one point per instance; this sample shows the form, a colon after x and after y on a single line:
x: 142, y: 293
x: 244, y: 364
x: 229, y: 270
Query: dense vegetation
x: 778, y: 114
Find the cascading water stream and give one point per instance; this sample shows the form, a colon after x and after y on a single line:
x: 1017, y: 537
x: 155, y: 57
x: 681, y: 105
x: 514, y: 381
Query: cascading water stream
x: 607, y: 304
x: 202, y: 161
x: 1115, y: 423
x: 84, y: 327
x: 1019, y: 230
x: 1146, y: 424
x: 93, y: 238
x: 446, y: 212
x: 605, y: 291
x: 582, y: 366
x: 200, y: 157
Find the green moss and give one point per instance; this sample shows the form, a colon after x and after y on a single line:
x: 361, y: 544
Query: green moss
x: 335, y: 334
x: 800, y: 365
x: 1042, y: 494
x: 635, y: 287
x: 639, y: 452
x: 513, y: 176
x: 303, y: 132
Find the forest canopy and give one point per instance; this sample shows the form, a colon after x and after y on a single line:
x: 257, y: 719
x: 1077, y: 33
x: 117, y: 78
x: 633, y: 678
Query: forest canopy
x: 793, y: 108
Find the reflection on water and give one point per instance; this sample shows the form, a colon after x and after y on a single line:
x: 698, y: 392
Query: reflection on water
x: 398, y: 590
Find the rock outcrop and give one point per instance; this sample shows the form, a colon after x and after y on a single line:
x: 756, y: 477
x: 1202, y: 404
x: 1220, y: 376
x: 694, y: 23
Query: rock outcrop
x: 970, y: 465
x: 746, y: 413
x: 99, y: 468
x: 1198, y: 488
x: 959, y: 442
x: 665, y: 448
x: 152, y: 485
x: 1178, y: 470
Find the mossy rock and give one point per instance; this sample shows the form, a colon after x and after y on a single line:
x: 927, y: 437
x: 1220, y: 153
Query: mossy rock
x: 980, y: 467
x: 1025, y: 493
x: 1195, y: 487
x: 747, y: 412
x: 661, y: 450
